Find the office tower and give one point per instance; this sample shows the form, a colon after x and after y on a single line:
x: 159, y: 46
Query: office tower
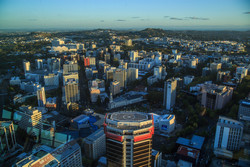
x: 215, y: 96
x: 71, y: 91
x: 228, y: 134
x: 107, y: 58
x: 115, y: 87
x: 121, y: 76
x: 41, y: 98
x: 158, y: 72
x: 7, y: 138
x: 133, y: 56
x: 132, y: 74
x: 31, y: 120
x: 169, y: 93
x: 39, y: 64
x: 51, y: 80
x: 73, y: 75
x: 69, y: 67
x: 156, y: 158
x: 89, y: 61
x: 215, y: 67
x: 128, y: 138
x: 95, y: 144
x: 68, y: 154
x: 26, y: 66
x: 128, y: 42
x: 109, y: 74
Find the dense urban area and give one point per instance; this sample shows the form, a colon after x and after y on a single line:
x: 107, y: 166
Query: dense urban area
x: 125, y: 98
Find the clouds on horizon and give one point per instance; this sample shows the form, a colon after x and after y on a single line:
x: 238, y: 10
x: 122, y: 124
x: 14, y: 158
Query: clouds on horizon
x: 121, y: 20
x: 246, y: 13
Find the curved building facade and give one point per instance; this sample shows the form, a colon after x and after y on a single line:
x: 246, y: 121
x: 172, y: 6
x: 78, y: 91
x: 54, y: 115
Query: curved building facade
x: 128, y: 138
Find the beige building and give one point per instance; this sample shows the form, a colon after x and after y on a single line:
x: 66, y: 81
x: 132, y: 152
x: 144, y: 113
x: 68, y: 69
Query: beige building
x: 73, y: 75
x: 121, y: 76
x: 94, y: 93
x: 115, y: 87
x: 41, y: 98
x: 26, y: 66
x: 71, y: 91
x: 95, y: 144
x: 215, y: 96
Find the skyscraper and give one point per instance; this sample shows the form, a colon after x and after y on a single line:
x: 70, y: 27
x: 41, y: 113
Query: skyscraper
x: 132, y: 74
x: 128, y: 138
x: 121, y: 76
x: 71, y: 91
x: 169, y: 93
x: 41, y: 98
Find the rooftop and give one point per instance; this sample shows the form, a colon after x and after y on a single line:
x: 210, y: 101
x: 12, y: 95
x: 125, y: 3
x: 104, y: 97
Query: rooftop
x: 195, y: 142
x: 128, y: 116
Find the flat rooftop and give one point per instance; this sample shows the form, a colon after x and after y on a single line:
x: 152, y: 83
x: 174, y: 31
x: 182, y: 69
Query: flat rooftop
x: 128, y: 116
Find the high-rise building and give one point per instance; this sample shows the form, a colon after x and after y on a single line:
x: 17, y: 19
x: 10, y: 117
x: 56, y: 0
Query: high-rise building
x: 134, y: 56
x: 73, y: 75
x: 41, y: 98
x: 95, y: 144
x: 31, y: 120
x: 69, y: 67
x: 128, y: 138
x: 7, y: 138
x: 121, y: 76
x: 215, y: 96
x: 39, y: 64
x: 228, y: 134
x: 170, y: 93
x: 26, y: 66
x: 71, y: 91
x: 241, y: 72
x: 132, y: 74
x: 115, y: 87
x: 54, y: 64
x: 158, y: 72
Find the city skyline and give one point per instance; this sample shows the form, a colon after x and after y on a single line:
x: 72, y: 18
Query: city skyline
x: 179, y: 15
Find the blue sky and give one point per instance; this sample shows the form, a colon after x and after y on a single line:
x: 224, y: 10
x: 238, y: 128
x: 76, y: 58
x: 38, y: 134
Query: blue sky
x: 125, y: 14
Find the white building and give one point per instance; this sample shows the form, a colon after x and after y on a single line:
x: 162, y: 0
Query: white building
x: 241, y: 72
x: 41, y: 98
x: 167, y: 123
x: 95, y: 144
x: 169, y: 93
x: 228, y: 134
x: 152, y: 79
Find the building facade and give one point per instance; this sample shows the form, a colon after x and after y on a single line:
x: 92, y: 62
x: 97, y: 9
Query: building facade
x: 41, y: 98
x: 128, y: 139
x: 169, y: 93
x: 228, y: 134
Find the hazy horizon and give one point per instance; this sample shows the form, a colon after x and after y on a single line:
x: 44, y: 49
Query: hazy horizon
x: 61, y: 15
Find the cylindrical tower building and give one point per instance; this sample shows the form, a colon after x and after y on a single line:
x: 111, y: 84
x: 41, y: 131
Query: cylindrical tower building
x: 128, y: 138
